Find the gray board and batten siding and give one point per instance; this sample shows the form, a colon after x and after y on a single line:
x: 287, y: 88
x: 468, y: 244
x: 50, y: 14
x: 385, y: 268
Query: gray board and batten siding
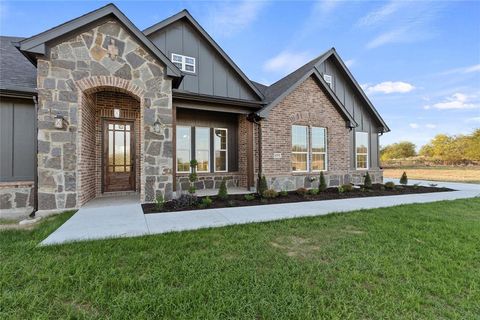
x: 213, y: 75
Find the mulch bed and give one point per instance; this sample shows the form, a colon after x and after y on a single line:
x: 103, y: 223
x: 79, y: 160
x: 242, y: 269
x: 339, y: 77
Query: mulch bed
x: 329, y: 194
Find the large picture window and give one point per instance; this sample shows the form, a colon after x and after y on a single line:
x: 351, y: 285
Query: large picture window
x: 202, y: 149
x: 184, y: 145
x: 319, y: 149
x: 220, y: 139
x: 299, y: 148
x: 361, y: 150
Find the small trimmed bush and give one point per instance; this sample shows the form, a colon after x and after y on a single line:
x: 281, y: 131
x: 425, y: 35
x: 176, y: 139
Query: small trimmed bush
x: 404, y: 179
x: 367, y: 182
x: 322, y: 184
x: 249, y: 197
x: 283, y: 193
x: 313, y: 192
x: 223, y: 192
x: 262, y: 185
x: 205, y: 202
x: 347, y: 187
x: 302, y: 192
x: 389, y: 185
x: 231, y: 203
x: 270, y: 194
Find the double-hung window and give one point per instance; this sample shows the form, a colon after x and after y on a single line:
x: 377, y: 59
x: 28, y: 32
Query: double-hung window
x: 184, y: 63
x: 220, y: 139
x: 184, y: 145
x: 299, y: 148
x: 202, y: 149
x: 319, y: 149
x: 361, y: 150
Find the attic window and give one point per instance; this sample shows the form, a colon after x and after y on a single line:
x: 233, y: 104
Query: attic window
x: 328, y: 79
x: 184, y: 63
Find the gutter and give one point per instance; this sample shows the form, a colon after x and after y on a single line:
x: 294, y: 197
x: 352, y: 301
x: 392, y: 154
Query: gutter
x: 35, y: 175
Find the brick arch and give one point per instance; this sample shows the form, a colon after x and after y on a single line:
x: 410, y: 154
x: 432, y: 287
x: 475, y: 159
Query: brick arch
x: 99, y: 83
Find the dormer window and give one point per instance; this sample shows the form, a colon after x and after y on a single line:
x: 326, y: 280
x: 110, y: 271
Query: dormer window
x: 328, y: 79
x: 184, y: 63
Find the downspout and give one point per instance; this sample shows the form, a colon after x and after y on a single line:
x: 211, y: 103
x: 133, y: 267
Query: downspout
x: 257, y: 122
x: 35, y: 174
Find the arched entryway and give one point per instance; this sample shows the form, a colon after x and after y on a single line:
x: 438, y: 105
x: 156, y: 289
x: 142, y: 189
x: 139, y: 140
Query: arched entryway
x: 110, y: 142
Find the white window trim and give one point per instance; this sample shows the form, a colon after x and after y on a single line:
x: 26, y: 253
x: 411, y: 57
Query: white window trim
x: 226, y: 151
x: 300, y: 152
x: 368, y: 151
x: 326, y: 148
x: 329, y: 80
x: 189, y: 149
x: 184, y: 62
x: 196, y: 149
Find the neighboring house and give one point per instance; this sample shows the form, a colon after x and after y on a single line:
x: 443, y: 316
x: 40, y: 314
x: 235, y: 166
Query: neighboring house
x: 119, y: 110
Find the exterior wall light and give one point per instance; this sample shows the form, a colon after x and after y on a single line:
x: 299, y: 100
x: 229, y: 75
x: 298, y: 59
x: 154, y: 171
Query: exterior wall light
x: 60, y: 122
x: 158, y: 126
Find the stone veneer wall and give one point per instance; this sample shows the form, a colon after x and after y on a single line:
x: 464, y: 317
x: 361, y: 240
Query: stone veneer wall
x: 105, y: 56
x: 16, y: 199
x: 308, y: 105
x: 208, y: 181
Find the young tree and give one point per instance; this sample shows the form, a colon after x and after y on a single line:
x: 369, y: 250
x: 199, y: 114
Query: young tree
x: 322, y: 185
x: 262, y: 186
x: 404, y: 179
x: 223, y: 192
x: 367, y: 182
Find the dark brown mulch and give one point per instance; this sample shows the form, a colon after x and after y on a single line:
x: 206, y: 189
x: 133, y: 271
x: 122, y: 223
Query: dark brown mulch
x: 329, y: 194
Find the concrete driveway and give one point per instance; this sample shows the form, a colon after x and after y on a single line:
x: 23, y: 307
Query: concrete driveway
x: 114, y: 219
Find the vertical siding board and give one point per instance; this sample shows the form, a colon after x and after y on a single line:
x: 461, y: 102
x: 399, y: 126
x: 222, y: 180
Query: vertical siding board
x: 6, y: 143
x: 24, y: 144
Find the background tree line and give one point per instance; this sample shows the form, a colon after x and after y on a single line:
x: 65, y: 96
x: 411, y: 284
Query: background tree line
x: 442, y: 149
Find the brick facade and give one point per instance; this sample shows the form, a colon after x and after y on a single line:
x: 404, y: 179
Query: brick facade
x: 307, y: 105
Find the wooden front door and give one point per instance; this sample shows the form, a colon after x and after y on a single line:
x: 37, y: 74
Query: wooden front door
x: 118, y: 156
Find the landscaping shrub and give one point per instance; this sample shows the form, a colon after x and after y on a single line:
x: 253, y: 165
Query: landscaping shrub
x: 222, y: 192
x: 185, y: 201
x: 159, y: 202
x: 283, y: 193
x: 404, y: 179
x: 249, y: 197
x: 322, y: 184
x: 347, y: 187
x: 416, y: 186
x: 205, y: 202
x: 301, y: 191
x: 232, y: 203
x: 314, y: 192
x: 340, y: 189
x: 192, y: 177
x: 270, y: 194
x: 367, y: 182
x: 389, y: 185
x: 262, y: 185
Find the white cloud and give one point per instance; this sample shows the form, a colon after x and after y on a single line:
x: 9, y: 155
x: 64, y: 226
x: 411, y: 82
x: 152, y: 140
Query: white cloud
x: 349, y: 62
x: 430, y: 126
x: 469, y: 69
x: 233, y: 17
x: 380, y: 14
x: 388, y: 87
x: 456, y: 101
x: 286, y: 62
x: 414, y: 125
x: 393, y: 36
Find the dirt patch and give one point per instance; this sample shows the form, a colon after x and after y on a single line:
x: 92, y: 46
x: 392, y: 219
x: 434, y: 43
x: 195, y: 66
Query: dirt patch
x: 352, y: 230
x: 16, y: 226
x: 294, y: 246
x: 470, y: 175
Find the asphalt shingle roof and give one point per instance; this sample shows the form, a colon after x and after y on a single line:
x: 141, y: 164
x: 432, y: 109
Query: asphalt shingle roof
x: 16, y: 72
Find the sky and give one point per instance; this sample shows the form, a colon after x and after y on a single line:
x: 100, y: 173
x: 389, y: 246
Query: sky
x: 418, y: 61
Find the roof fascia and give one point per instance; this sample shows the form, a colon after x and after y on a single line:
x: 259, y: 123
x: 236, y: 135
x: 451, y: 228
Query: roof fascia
x: 185, y: 14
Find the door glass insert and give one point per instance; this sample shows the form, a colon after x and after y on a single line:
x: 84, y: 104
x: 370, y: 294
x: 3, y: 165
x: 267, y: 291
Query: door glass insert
x: 119, y: 148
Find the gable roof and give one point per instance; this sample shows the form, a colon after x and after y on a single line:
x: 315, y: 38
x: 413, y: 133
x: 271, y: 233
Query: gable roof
x: 277, y: 91
x: 36, y: 44
x: 184, y: 14
x: 16, y: 72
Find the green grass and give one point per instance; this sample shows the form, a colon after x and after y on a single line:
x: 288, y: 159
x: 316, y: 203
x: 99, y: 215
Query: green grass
x: 412, y: 261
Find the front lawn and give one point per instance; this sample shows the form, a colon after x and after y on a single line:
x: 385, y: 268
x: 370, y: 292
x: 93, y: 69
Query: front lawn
x: 411, y: 261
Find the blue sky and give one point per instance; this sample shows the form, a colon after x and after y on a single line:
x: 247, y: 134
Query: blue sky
x: 418, y: 61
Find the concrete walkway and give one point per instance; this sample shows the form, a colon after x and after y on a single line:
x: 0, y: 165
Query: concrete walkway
x: 110, y: 220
